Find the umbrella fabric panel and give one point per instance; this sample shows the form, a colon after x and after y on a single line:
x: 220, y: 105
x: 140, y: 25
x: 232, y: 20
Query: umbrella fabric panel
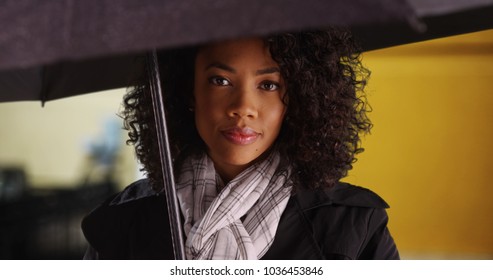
x: 427, y: 8
x: 435, y: 21
x: 21, y: 84
x: 69, y: 78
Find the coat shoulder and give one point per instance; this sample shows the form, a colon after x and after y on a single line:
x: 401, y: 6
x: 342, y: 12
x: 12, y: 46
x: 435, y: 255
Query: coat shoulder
x: 135, y: 191
x: 344, y: 194
x: 351, y: 195
x: 343, y: 222
x: 109, y: 226
x: 121, y: 205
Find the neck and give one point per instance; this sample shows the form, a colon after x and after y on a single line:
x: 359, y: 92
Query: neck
x: 229, y: 172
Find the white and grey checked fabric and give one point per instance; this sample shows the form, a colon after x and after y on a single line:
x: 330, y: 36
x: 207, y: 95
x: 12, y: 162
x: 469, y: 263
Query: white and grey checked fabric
x: 213, y: 222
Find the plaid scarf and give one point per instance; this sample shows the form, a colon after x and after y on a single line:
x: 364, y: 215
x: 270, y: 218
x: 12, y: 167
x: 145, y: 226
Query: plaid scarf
x: 241, y: 221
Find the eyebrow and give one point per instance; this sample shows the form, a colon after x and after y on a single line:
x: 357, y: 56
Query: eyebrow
x: 269, y: 70
x: 230, y: 69
x: 220, y: 66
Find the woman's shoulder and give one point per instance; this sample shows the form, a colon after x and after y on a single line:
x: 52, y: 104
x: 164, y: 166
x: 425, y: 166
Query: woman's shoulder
x: 343, y: 194
x: 134, y: 192
x: 348, y: 194
x: 108, y: 225
x: 346, y: 221
x: 124, y: 203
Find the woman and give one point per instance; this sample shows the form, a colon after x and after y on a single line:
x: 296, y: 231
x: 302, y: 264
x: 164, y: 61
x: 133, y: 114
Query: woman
x: 262, y: 130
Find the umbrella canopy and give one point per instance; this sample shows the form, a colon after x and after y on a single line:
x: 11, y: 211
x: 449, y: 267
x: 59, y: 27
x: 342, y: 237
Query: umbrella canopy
x: 54, y: 49
x: 58, y: 80
x: 35, y: 33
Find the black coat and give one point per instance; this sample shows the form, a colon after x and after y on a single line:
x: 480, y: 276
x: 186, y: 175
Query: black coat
x: 345, y: 222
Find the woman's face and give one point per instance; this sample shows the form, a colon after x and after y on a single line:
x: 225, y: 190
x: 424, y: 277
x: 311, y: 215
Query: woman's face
x: 238, y: 93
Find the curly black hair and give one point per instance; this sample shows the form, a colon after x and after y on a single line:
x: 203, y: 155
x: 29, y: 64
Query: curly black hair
x: 326, y: 112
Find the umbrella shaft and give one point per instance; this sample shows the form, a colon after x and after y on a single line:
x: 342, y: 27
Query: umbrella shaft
x: 165, y: 156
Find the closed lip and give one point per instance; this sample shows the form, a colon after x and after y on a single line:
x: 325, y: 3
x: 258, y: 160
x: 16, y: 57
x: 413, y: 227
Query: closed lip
x: 240, y: 135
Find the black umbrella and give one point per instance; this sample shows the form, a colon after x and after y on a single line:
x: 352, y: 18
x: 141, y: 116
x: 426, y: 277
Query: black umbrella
x: 61, y: 48
x: 54, y: 49
x: 35, y: 32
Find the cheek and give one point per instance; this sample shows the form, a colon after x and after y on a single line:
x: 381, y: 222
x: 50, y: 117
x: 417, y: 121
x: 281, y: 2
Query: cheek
x: 201, y: 113
x: 202, y: 124
x: 274, y: 117
x: 206, y: 109
x: 207, y: 116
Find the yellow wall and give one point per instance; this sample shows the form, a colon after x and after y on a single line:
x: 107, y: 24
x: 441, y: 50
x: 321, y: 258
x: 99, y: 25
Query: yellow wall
x: 430, y: 154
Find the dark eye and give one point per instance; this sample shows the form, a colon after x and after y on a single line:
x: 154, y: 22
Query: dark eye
x: 219, y: 81
x: 269, y: 86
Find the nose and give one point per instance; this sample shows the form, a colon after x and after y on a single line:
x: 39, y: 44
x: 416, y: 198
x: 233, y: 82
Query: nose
x: 243, y: 103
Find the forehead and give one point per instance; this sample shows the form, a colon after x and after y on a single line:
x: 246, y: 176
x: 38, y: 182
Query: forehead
x: 249, y: 49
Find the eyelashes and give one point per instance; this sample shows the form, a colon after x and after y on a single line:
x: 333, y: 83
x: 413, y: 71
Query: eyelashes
x: 270, y: 86
x: 266, y: 85
x: 219, y: 81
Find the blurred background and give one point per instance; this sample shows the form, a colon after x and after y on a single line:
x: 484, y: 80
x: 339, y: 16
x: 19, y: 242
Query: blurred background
x: 428, y: 156
x: 56, y: 164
